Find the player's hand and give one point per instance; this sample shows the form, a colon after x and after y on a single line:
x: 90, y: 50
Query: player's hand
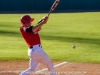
x: 45, y: 19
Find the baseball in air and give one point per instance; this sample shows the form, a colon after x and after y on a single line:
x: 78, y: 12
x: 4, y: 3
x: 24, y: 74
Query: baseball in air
x: 73, y: 46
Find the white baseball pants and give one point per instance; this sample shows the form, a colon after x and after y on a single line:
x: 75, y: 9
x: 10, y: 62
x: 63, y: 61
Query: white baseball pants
x: 37, y: 55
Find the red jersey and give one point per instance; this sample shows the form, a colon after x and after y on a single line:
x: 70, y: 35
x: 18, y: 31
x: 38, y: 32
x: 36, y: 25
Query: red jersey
x: 31, y: 38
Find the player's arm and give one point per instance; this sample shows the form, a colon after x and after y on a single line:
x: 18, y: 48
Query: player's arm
x: 37, y: 26
x: 40, y: 23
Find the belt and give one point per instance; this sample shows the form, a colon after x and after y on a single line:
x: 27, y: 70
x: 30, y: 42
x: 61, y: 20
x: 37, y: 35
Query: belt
x: 34, y: 46
x: 31, y: 47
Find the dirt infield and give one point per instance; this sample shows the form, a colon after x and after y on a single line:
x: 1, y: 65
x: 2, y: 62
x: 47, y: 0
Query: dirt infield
x: 70, y: 68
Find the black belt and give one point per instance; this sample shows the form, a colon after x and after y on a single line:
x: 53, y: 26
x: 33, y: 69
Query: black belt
x: 32, y: 46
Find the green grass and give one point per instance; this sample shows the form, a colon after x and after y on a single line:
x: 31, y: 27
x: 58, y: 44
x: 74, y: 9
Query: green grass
x: 57, y: 37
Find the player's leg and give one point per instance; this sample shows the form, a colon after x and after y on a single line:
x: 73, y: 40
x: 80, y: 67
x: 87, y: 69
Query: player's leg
x: 38, y: 55
x: 32, y: 67
x: 49, y: 65
x: 33, y: 64
x: 45, y: 60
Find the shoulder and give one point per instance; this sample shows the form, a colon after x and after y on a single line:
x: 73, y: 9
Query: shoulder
x: 22, y: 28
x: 26, y: 29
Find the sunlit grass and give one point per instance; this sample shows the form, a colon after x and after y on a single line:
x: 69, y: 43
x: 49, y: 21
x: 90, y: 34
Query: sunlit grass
x: 57, y: 36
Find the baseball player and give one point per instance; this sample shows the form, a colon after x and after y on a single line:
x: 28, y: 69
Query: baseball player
x: 35, y: 51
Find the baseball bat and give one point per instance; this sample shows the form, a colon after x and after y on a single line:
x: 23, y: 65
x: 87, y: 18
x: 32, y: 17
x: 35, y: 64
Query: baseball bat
x: 53, y: 6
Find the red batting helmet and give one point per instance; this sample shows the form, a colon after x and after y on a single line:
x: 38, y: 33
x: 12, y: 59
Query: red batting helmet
x: 26, y: 19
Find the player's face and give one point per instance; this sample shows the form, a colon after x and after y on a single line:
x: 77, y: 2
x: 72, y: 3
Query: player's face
x: 28, y: 25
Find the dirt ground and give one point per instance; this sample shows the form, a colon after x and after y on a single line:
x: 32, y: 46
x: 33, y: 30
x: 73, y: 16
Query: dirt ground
x: 70, y: 68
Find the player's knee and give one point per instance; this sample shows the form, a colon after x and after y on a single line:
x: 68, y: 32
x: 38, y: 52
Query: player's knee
x: 49, y: 63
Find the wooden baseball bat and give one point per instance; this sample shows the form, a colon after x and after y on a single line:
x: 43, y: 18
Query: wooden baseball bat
x: 53, y: 6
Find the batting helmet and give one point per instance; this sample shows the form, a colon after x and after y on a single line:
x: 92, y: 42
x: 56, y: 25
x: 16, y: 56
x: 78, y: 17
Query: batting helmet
x: 26, y: 19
